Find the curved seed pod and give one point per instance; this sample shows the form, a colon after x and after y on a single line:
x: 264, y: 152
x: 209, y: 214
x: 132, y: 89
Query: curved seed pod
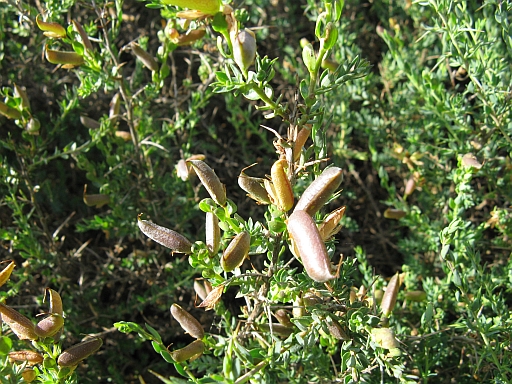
x: 31, y: 357
x: 20, y: 325
x: 236, y: 252
x: 115, y: 107
x: 6, y: 273
x: 49, y: 326
x: 165, y: 236
x: 320, y: 191
x: 210, y: 180
x: 193, y: 350
x: 282, y: 186
x: 63, y: 57
x: 389, y: 298
x: 254, y: 187
x: 55, y: 302
x: 51, y: 29
x: 9, y: 112
x: 148, y: 60
x: 283, y: 318
x: 331, y: 224
x: 188, y: 322
x: 300, y: 140
x: 78, y: 352
x: 304, y: 233
x: 396, y: 214
x: 212, y: 233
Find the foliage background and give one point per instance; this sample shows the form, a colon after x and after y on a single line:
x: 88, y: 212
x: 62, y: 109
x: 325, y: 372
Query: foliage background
x: 439, y: 88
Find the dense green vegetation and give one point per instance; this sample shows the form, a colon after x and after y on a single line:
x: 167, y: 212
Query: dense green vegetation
x: 107, y: 107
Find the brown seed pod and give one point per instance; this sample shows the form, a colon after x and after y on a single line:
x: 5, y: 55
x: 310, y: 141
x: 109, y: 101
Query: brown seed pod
x: 78, y: 352
x: 85, y: 39
x: 282, y: 186
x: 210, y: 180
x: 6, y: 273
x: 71, y: 58
x: 331, y: 224
x: 390, y: 296
x: 55, y: 302
x: 320, y: 191
x: 20, y: 325
x: 300, y: 140
x: 148, y: 60
x: 336, y: 330
x: 165, y: 236
x: 51, y: 29
x: 188, y: 322
x: 277, y: 329
x: 31, y: 357
x: 313, y: 254
x: 254, y: 186
x: 236, y: 252
x: 193, y: 350
x: 49, y: 326
x: 396, y: 214
x: 283, y: 318
x: 212, y: 233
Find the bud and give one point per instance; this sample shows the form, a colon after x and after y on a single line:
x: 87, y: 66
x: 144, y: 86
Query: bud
x: 390, y: 296
x: 148, y: 60
x: 51, y: 29
x: 165, y: 236
x: 33, y: 126
x: 208, y: 7
x: 320, y: 191
x: 331, y: 224
x: 282, y: 187
x: 31, y: 357
x: 313, y: 254
x: 6, y: 273
x: 67, y: 58
x: 236, y: 252
x: 49, y: 326
x: 244, y: 48
x: 212, y: 233
x: 78, y: 352
x: 188, y: 322
x: 210, y: 180
x: 20, y: 325
x: 396, y: 214
x: 191, y: 351
x: 254, y: 187
x: 309, y: 57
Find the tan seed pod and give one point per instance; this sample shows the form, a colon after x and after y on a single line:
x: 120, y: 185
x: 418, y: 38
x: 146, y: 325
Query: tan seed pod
x: 331, y: 224
x: 283, y: 318
x: 165, y: 236
x: 254, y: 187
x: 31, y: 357
x: 200, y: 290
x: 51, y: 29
x: 336, y: 330
x: 146, y: 59
x: 210, y: 181
x: 278, y: 329
x: 71, y: 59
x: 212, y: 233
x: 125, y: 135
x: 390, y: 296
x: 49, y: 326
x: 20, y: 325
x: 29, y: 375
x: 282, y: 186
x: 190, y: 37
x: 188, y: 322
x: 87, y: 122
x: 191, y: 351
x: 304, y: 232
x: 78, y: 352
x: 385, y: 338
x: 320, y: 191
x: 300, y: 140
x: 410, y: 186
x: 236, y: 252
x: 6, y: 273
x: 396, y: 214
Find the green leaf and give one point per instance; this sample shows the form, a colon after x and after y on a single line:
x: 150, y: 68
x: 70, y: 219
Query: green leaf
x: 5, y: 345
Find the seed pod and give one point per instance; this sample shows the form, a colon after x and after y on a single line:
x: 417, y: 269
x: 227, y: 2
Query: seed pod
x: 300, y: 140
x: 244, y: 48
x: 254, y: 187
x: 85, y: 39
x: 320, y: 191
x: 336, y: 330
x: 51, y: 29
x: 389, y: 298
x: 20, y: 325
x: 9, y: 112
x: 209, y: 7
x: 396, y: 214
x: 87, y: 122
x: 410, y: 186
x: 6, y: 273
x: 125, y: 135
x: 416, y: 296
x: 148, y: 60
x: 22, y: 94
x: 188, y: 322
x: 191, y: 351
x: 31, y: 357
x: 78, y: 352
x: 277, y: 329
x: 69, y: 59
x: 331, y: 224
x: 200, y: 290
x: 212, y: 233
x: 29, y: 375
x: 236, y: 252
x: 304, y: 233
x: 190, y: 37
x: 283, y: 318
x: 385, y: 338
x: 115, y: 107
x: 165, y: 236
x: 49, y: 326
x: 210, y: 180
x: 282, y: 186
x: 95, y: 200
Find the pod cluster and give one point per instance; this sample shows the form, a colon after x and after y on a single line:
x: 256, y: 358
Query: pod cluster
x: 194, y: 328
